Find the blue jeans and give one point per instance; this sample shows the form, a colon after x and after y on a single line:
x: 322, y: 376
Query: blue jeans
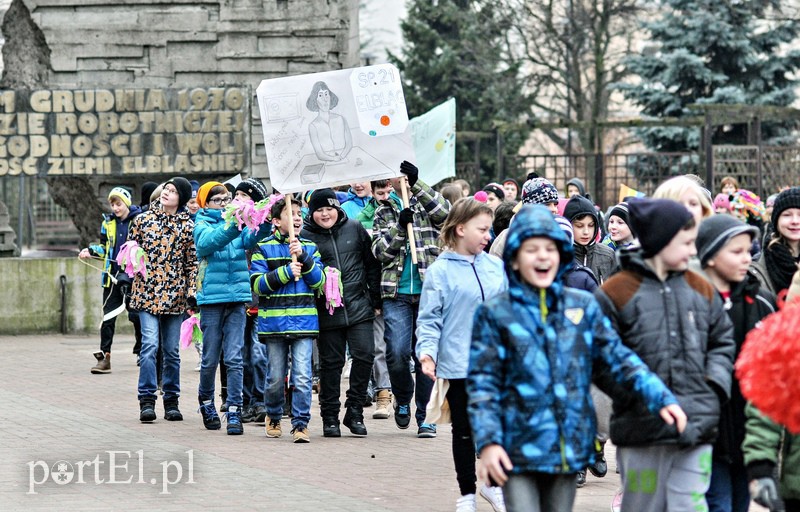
x: 400, y: 318
x: 278, y: 359
x: 223, y: 330
x: 168, y: 329
x: 254, y: 357
x: 728, y: 491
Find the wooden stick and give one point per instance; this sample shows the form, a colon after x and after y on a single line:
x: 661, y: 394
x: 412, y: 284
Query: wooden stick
x: 412, y: 243
x: 287, y: 210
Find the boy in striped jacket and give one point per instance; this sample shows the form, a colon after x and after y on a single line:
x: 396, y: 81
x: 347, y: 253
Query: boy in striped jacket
x: 287, y: 315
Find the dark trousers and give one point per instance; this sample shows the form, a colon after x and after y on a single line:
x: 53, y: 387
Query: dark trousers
x: 463, y: 446
x: 112, y: 299
x: 332, y: 345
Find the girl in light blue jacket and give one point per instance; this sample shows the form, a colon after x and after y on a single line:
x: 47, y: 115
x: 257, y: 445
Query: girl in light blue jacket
x: 460, y: 279
x: 223, y: 288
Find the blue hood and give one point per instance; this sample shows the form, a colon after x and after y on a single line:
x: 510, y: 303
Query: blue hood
x: 535, y: 220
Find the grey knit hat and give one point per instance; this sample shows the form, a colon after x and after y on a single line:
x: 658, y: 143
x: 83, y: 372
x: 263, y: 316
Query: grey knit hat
x: 716, y: 231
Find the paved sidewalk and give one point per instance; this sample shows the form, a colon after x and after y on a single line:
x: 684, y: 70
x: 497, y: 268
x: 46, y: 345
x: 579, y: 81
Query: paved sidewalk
x: 56, y: 411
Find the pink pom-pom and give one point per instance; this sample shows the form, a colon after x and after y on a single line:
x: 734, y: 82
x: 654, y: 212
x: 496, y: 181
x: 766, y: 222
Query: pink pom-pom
x: 481, y: 196
x: 768, y: 367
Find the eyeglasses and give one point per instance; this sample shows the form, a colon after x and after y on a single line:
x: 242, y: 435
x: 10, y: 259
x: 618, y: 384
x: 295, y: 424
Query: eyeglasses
x: 220, y: 201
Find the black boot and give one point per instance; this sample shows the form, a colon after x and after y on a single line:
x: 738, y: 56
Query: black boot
x: 171, y: 411
x: 147, y: 410
x: 330, y: 427
x: 354, y: 420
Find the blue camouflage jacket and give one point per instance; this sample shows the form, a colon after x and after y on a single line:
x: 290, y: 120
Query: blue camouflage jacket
x: 532, y: 358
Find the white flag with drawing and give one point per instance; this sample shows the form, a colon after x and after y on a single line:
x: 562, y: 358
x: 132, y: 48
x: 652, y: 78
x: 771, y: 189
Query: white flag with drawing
x: 334, y: 128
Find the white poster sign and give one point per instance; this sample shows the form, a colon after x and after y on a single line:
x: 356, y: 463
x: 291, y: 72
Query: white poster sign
x: 334, y: 128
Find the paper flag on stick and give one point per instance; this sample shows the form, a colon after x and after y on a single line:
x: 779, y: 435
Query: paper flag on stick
x: 626, y: 191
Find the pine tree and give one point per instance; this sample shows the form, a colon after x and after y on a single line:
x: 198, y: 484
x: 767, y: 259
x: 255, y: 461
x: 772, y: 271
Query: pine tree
x: 713, y: 52
x: 457, y: 48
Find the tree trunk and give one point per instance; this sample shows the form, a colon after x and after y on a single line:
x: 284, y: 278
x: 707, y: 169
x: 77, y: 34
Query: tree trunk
x: 27, y: 63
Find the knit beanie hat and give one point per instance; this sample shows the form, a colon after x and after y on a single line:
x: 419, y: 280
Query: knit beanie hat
x: 205, y: 189
x: 566, y: 226
x: 322, y: 197
x: 655, y: 222
x: 184, y: 189
x: 716, y: 231
x: 147, y: 190
x: 122, y: 194
x: 495, y: 189
x: 621, y: 211
x: 253, y: 188
x: 789, y: 198
x: 195, y: 187
x: 539, y: 191
x: 511, y: 180
x: 722, y: 201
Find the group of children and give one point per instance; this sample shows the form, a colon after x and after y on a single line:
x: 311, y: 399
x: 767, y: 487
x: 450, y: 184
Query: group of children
x: 653, y: 315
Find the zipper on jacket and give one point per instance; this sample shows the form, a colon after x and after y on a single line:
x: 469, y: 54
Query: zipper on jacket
x: 480, y: 285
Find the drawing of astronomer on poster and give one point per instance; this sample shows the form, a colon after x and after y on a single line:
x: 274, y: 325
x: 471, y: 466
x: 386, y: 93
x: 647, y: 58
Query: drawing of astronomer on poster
x: 334, y: 128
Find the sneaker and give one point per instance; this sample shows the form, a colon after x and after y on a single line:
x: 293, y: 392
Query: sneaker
x: 259, y: 414
x: 599, y: 468
x: 426, y: 431
x: 383, y: 403
x: 466, y: 503
x: 616, y: 502
x: 103, y: 363
x: 234, y: 418
x: 209, y: 412
x: 330, y: 427
x: 315, y: 384
x: 494, y: 495
x: 402, y: 415
x: 300, y: 435
x: 138, y: 360
x: 581, y: 478
x: 197, y: 368
x: 224, y: 406
x: 248, y: 414
x: 273, y: 428
x: 354, y: 420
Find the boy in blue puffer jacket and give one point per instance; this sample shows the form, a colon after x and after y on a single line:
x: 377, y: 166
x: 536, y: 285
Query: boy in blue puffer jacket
x: 223, y: 288
x: 531, y: 363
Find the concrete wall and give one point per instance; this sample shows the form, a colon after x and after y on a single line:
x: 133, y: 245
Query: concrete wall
x: 30, y: 297
x: 177, y: 43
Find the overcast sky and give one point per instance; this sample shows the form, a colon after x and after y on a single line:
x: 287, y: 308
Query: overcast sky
x: 379, y: 27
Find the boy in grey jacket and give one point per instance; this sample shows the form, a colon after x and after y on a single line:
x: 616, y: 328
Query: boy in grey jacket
x: 675, y: 321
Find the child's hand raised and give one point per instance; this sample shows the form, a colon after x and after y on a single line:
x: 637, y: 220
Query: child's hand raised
x: 295, y: 247
x: 494, y: 463
x: 672, y: 414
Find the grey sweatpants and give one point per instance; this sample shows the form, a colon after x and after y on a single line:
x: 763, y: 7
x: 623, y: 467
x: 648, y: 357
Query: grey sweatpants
x: 380, y: 372
x: 665, y: 478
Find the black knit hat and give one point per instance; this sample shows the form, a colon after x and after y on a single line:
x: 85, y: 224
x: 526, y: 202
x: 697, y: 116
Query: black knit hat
x: 147, y: 190
x: 621, y: 211
x: 655, y: 222
x: 184, y: 189
x: 716, y: 231
x: 789, y: 198
x: 253, y: 188
x: 322, y: 197
x: 496, y: 190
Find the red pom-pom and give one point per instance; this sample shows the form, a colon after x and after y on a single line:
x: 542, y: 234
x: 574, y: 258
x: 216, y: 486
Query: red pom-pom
x: 768, y: 367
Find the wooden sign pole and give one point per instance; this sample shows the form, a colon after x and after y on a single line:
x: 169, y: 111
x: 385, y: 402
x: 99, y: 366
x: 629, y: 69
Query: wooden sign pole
x: 412, y: 243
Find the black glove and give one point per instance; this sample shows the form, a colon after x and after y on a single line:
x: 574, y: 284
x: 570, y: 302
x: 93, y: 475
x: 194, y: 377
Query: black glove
x: 411, y: 171
x: 406, y: 218
x: 765, y: 492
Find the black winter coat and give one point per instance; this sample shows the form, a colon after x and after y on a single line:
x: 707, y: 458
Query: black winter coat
x: 748, y: 305
x: 347, y: 247
x: 680, y: 330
